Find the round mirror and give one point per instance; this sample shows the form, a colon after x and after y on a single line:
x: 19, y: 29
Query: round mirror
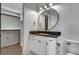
x: 48, y: 19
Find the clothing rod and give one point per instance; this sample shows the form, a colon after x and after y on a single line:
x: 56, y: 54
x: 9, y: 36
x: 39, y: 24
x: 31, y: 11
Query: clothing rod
x: 10, y: 15
x: 10, y: 10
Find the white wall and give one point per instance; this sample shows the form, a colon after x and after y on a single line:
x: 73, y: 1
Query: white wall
x: 9, y: 22
x: 30, y: 15
x: 69, y: 20
x: 13, y: 6
x: 68, y: 23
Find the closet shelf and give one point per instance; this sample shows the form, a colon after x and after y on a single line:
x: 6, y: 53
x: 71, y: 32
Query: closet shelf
x: 10, y: 12
x: 10, y: 29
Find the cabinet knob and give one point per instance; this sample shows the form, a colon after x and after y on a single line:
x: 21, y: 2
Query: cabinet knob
x: 46, y: 43
x: 33, y: 39
x: 50, y: 40
x: 6, y: 37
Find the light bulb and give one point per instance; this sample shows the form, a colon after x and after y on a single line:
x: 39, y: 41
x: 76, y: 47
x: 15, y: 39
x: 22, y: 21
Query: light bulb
x: 41, y: 8
x: 45, y: 6
x: 50, y: 4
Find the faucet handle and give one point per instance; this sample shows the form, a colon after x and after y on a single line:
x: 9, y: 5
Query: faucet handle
x: 58, y: 44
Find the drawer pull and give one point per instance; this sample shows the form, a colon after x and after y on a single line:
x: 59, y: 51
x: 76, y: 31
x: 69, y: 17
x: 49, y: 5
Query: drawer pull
x: 7, y: 38
x: 46, y: 43
x: 39, y: 41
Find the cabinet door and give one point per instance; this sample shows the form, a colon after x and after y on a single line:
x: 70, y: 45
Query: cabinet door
x: 40, y: 45
x: 9, y: 38
x: 57, y: 47
x: 32, y: 40
x: 3, y: 39
x: 51, y: 46
x: 12, y: 37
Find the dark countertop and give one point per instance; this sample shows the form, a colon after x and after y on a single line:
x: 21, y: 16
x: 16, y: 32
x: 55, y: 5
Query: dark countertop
x: 53, y: 34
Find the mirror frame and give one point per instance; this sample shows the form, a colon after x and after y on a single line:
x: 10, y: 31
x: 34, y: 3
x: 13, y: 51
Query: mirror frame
x: 55, y: 23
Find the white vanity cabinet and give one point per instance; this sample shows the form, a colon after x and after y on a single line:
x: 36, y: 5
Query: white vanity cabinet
x: 51, y: 46
x: 43, y: 45
x: 38, y: 45
x: 32, y: 40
